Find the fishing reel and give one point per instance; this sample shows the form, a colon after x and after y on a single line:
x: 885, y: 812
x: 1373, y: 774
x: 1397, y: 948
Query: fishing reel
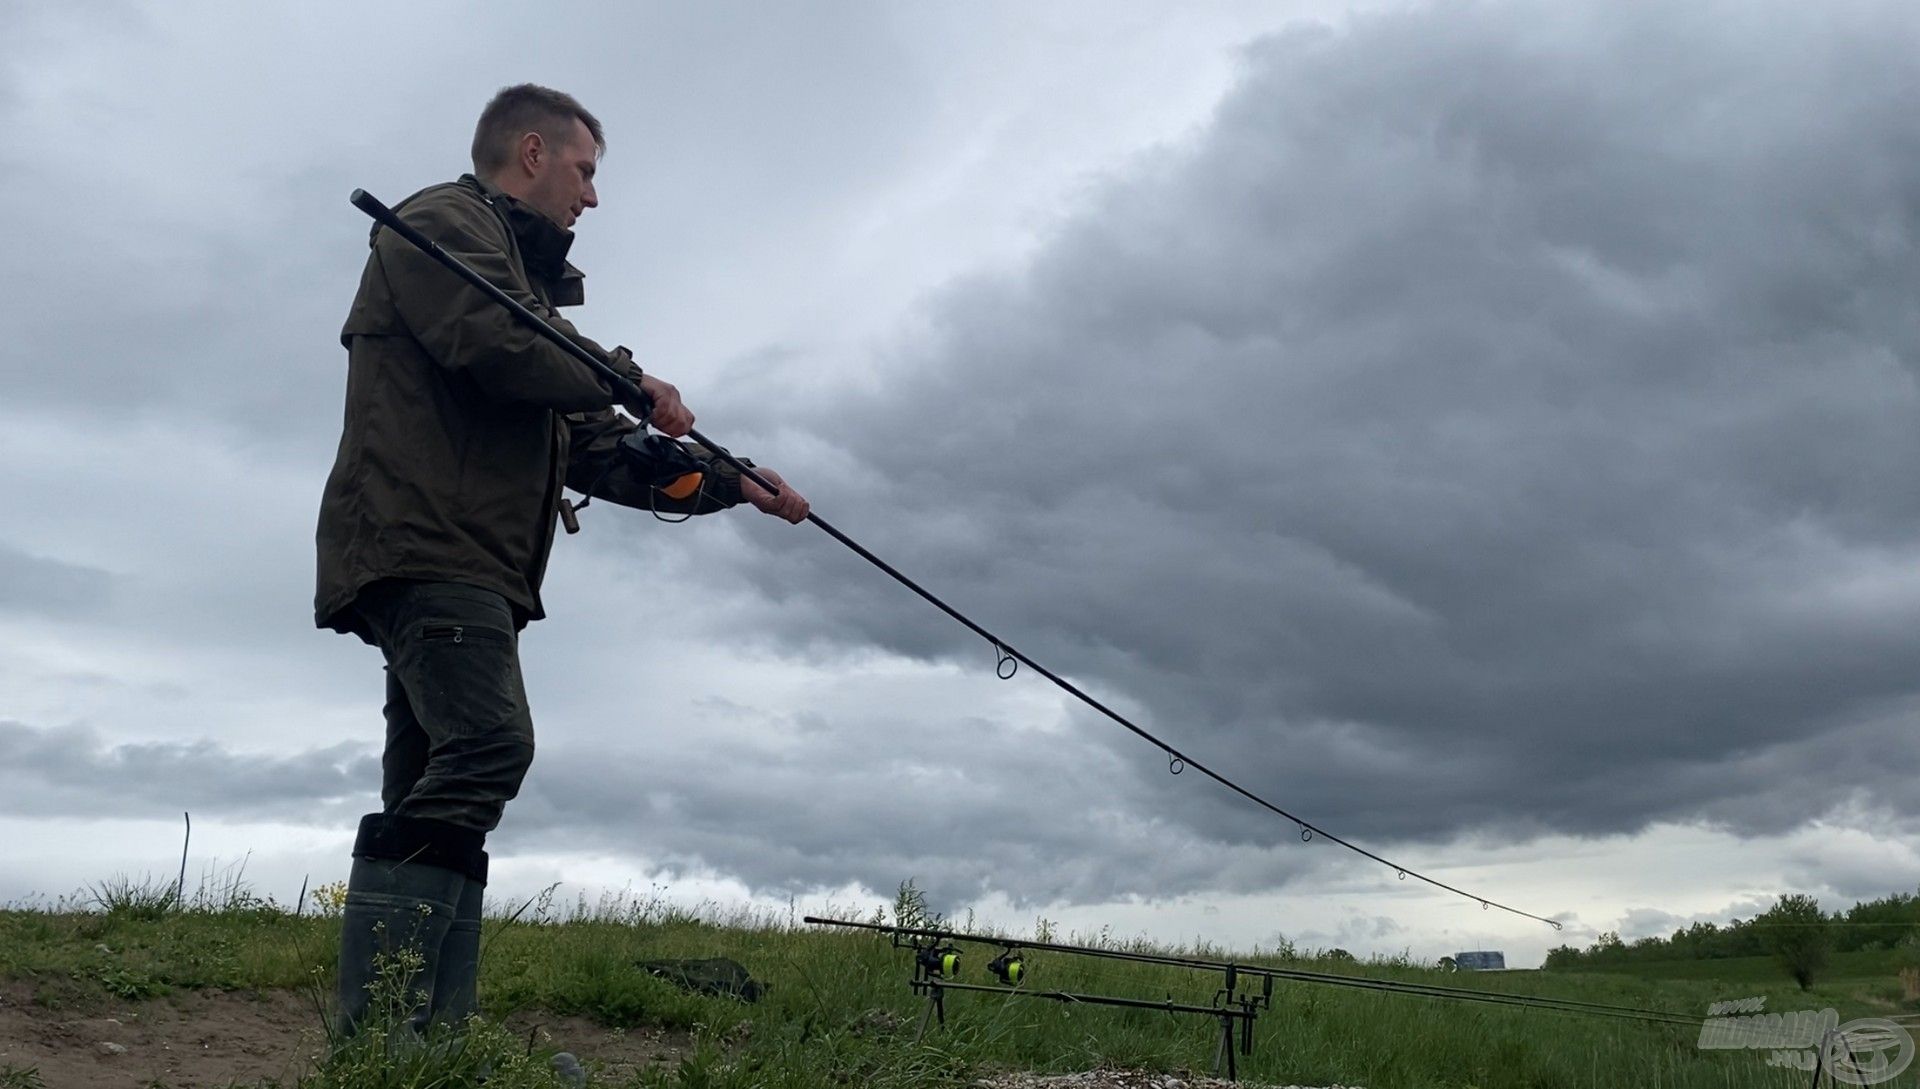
x: 939, y: 961
x: 1009, y: 968
x: 665, y: 464
x: 668, y: 468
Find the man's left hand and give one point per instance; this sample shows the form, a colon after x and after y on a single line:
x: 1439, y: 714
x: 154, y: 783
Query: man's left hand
x: 669, y: 415
x: 789, y: 504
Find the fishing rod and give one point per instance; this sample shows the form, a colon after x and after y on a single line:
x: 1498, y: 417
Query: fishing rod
x: 1009, y: 659
x: 1257, y: 971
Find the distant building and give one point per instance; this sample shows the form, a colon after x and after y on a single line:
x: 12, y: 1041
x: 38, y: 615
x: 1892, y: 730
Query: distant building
x: 1481, y: 960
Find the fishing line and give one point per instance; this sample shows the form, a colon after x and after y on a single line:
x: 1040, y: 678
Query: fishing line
x: 1008, y: 659
x: 1178, y: 761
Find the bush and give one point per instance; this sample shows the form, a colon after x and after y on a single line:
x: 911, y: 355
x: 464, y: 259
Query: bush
x: 1797, y: 936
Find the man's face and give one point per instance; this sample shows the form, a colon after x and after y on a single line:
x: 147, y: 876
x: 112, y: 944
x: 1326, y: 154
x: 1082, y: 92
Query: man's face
x: 562, y: 183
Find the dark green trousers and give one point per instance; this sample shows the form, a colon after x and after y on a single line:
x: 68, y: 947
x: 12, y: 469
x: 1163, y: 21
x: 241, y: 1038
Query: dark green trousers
x: 459, y: 733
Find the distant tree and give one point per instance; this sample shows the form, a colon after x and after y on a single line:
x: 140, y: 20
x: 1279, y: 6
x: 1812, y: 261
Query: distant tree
x: 1742, y: 938
x: 1907, y: 953
x: 1871, y: 924
x: 1649, y: 948
x: 1698, y: 941
x: 1607, y: 947
x: 1906, y: 961
x: 1879, y: 924
x: 1562, y: 956
x: 1796, y: 935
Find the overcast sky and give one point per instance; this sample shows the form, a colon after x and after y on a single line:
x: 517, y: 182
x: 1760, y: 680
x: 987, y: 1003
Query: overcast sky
x: 1486, y: 429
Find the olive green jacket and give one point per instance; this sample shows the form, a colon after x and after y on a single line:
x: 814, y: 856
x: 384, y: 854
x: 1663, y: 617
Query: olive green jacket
x: 463, y: 424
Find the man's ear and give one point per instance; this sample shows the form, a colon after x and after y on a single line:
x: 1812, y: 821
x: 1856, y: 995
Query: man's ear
x: 532, y: 147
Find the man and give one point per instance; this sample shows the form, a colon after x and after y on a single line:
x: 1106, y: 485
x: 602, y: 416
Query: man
x: 462, y: 426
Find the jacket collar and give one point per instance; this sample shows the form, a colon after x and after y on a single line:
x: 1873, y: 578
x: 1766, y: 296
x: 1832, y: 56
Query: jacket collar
x: 543, y: 244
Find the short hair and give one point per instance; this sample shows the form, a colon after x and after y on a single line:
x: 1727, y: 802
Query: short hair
x: 518, y: 110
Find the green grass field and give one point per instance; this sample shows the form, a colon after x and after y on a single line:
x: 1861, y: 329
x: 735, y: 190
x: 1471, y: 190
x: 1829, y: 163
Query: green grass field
x: 1868, y: 967
x: 840, y: 1012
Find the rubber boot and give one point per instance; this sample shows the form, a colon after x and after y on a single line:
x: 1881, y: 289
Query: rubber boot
x: 455, y: 988
x: 394, y: 908
x: 409, y: 875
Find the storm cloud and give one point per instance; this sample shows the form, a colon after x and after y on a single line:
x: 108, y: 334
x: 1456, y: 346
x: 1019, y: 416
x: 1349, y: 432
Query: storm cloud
x: 1500, y: 416
x: 73, y: 772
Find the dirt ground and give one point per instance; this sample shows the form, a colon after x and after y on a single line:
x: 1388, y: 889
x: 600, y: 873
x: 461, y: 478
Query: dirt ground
x: 1123, y: 1079
x: 212, y: 1039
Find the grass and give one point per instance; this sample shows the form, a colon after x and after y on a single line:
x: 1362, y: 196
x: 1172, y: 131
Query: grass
x: 386, y: 1056
x: 839, y: 1011
x: 1853, y: 967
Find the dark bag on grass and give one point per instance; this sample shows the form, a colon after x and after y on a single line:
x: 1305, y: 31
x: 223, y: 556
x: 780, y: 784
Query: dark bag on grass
x: 715, y: 976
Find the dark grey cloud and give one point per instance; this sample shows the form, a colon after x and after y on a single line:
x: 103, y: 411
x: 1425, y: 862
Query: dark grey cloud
x: 1499, y: 417
x: 73, y: 772
x: 986, y: 808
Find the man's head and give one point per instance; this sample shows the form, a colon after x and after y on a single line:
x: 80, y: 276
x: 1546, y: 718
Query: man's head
x: 540, y: 146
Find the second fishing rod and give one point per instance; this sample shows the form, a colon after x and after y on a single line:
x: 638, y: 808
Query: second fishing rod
x: 1009, y: 657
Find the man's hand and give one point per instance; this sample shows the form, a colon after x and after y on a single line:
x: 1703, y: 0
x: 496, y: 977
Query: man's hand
x: 670, y: 417
x: 789, y: 504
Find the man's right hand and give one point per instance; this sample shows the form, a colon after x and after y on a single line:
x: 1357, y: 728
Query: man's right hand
x: 668, y: 415
x: 786, y: 503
